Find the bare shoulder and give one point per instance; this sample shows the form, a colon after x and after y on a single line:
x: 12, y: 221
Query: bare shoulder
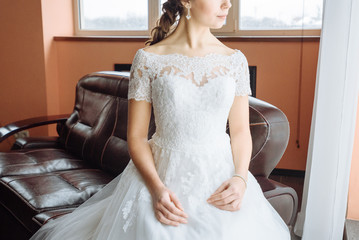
x: 227, y: 50
x: 151, y: 49
x: 219, y: 47
x: 160, y: 48
x: 167, y: 48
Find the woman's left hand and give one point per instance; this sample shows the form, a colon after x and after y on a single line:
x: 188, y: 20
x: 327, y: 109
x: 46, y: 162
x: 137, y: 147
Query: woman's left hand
x: 229, y: 195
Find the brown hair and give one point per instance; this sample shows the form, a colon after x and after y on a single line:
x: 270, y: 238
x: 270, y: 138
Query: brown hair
x: 171, y: 9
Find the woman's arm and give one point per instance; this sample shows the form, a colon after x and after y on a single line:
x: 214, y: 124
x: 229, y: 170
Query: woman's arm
x: 167, y: 206
x: 139, y: 115
x: 230, y: 194
x: 241, y: 139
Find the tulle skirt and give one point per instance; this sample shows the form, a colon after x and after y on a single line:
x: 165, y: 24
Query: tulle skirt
x: 123, y: 209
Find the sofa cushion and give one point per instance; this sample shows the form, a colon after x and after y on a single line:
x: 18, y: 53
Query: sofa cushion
x: 36, y: 161
x: 28, y: 195
x: 44, y: 217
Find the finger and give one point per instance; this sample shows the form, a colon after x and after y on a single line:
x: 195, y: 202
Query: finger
x: 221, y: 188
x: 173, y: 209
x: 237, y: 203
x: 226, y: 200
x: 164, y: 220
x: 176, y: 201
x: 167, y: 209
x: 221, y: 195
x: 233, y: 206
x: 217, y: 192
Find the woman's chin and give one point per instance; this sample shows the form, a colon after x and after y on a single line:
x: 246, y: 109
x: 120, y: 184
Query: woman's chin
x: 218, y: 26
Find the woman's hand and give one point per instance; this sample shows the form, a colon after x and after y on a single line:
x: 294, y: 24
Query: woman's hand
x: 167, y: 207
x: 229, y: 195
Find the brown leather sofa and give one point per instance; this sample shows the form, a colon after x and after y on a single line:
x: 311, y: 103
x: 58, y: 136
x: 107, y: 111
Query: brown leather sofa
x: 44, y: 178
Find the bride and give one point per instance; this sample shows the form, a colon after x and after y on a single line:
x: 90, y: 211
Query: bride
x: 191, y: 179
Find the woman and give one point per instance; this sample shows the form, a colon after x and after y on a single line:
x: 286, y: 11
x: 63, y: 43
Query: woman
x: 190, y: 180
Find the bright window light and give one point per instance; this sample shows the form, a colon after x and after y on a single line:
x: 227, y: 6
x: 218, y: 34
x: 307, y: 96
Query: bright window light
x: 280, y: 14
x: 114, y: 15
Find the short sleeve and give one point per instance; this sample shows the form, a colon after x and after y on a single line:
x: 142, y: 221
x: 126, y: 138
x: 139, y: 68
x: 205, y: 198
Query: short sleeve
x: 242, y: 77
x: 139, y: 86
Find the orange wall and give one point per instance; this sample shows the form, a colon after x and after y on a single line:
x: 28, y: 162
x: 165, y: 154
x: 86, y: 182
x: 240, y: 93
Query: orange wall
x: 29, y: 84
x: 353, y: 196
x: 278, y: 79
x: 56, y: 20
x: 22, y: 74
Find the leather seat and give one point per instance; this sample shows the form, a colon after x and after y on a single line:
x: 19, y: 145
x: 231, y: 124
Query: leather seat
x: 38, y: 161
x: 44, y: 178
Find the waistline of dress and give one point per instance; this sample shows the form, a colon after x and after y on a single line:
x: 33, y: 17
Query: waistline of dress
x: 218, y: 141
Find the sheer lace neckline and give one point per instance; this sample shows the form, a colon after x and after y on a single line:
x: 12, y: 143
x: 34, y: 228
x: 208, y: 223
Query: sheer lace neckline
x: 212, y: 54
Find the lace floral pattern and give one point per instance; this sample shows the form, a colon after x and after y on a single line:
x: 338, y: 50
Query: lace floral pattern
x: 130, y: 208
x: 147, y: 66
x: 140, y: 78
x: 126, y: 211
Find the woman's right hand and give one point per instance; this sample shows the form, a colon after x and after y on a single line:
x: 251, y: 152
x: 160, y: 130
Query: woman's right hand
x: 167, y: 207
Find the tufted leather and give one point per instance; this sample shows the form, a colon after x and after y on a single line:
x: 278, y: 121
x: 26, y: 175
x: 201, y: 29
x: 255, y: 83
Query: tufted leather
x: 46, y: 177
x: 38, y: 161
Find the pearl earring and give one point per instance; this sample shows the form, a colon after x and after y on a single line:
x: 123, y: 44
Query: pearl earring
x: 188, y: 13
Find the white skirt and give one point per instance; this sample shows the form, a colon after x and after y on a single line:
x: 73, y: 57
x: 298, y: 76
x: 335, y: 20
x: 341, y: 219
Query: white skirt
x: 123, y: 209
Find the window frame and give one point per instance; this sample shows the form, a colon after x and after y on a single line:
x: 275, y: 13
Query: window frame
x: 228, y: 30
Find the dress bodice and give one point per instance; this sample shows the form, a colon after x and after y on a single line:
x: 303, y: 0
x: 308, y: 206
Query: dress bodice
x: 191, y: 96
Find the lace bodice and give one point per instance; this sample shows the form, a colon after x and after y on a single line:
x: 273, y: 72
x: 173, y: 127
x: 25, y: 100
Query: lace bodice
x: 191, y: 96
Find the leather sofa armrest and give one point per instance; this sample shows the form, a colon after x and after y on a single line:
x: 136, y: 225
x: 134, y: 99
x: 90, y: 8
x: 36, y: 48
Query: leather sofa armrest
x: 283, y: 198
x: 270, y: 132
x: 24, y: 124
x: 36, y: 142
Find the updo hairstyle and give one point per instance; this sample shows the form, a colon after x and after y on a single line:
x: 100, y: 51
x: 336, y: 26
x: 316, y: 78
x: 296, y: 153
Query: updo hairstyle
x: 172, y: 9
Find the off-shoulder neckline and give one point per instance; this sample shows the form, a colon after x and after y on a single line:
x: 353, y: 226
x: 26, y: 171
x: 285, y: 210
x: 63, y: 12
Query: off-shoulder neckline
x: 191, y: 57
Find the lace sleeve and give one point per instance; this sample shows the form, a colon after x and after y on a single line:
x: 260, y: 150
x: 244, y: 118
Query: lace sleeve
x: 242, y: 77
x: 139, y: 87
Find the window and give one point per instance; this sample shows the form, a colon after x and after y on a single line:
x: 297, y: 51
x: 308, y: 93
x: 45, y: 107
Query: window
x: 245, y: 18
x: 281, y: 17
x: 113, y: 15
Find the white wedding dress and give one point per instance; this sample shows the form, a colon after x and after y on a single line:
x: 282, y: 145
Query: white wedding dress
x: 191, y: 98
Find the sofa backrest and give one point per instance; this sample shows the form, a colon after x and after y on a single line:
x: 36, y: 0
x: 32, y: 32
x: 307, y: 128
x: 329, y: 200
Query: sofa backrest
x: 96, y: 131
